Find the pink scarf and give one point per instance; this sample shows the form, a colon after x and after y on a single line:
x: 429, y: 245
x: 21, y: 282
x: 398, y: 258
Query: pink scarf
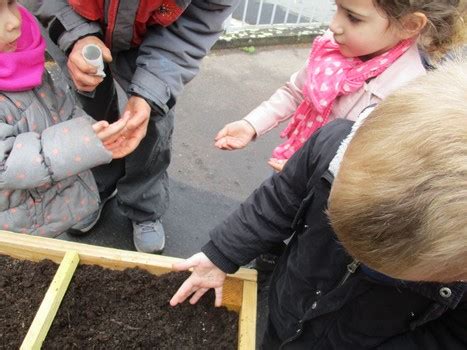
x: 330, y: 75
x: 22, y: 69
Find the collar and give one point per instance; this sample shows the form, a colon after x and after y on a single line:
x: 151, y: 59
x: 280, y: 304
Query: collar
x: 405, y: 69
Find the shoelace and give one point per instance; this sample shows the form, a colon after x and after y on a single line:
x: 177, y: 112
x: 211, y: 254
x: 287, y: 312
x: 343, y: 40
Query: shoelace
x: 146, y: 226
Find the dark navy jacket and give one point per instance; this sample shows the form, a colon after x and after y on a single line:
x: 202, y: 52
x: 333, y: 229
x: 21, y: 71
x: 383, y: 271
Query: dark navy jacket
x: 319, y: 297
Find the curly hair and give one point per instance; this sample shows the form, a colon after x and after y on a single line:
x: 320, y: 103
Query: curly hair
x: 445, y: 28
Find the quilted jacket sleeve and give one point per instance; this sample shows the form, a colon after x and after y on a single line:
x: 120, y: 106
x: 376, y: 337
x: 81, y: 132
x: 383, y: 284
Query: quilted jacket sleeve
x: 30, y: 159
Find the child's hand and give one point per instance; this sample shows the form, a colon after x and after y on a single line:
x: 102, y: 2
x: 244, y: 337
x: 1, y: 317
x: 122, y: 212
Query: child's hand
x: 235, y: 135
x: 205, y: 275
x: 111, y: 134
x: 277, y: 164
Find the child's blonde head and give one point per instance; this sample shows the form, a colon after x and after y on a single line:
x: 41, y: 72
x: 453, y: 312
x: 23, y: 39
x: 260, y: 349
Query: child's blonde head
x: 399, y: 201
x: 445, y: 27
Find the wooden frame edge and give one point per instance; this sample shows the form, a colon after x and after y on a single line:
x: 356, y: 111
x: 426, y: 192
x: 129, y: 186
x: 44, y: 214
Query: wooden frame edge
x: 247, y: 331
x: 34, y: 248
x: 51, y: 302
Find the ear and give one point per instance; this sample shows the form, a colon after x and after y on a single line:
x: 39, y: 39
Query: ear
x: 413, y: 24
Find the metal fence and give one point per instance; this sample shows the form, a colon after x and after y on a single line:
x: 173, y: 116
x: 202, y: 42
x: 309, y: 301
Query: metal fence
x: 271, y: 13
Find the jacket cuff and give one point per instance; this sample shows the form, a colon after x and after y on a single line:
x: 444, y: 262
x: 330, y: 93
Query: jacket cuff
x: 261, y: 120
x: 68, y: 27
x: 155, y: 91
x: 218, y: 258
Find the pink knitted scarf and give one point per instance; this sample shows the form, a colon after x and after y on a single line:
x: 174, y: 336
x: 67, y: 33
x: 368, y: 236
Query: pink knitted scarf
x: 330, y: 75
x: 22, y: 69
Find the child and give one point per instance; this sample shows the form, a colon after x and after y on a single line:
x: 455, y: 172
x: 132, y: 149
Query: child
x: 47, y: 144
x: 370, y: 50
x: 356, y: 277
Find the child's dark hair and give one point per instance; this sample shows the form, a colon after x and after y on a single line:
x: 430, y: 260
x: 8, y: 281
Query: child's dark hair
x: 445, y: 28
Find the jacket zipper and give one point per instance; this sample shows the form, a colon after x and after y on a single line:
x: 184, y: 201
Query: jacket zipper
x: 34, y: 192
x: 351, y: 268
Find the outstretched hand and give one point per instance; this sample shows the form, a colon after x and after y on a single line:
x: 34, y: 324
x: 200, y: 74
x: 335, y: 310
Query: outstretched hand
x: 235, y: 135
x: 138, y: 112
x: 205, y: 275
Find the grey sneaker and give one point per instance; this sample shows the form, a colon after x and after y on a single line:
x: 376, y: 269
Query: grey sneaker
x: 88, y: 223
x: 149, y: 236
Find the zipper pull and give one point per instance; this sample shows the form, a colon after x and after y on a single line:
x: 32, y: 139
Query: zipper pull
x: 351, y: 268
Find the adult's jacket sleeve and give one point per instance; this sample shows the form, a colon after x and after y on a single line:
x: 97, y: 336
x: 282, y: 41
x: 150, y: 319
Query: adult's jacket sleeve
x: 63, y: 24
x: 266, y: 217
x: 169, y: 57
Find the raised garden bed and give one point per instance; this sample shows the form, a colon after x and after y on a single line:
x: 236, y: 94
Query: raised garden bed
x: 114, y: 308
x: 23, y: 285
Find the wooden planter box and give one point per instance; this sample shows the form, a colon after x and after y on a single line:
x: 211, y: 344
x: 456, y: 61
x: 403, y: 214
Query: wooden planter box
x: 239, y: 289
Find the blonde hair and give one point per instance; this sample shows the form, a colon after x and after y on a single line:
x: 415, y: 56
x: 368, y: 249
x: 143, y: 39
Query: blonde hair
x: 445, y: 27
x: 399, y: 201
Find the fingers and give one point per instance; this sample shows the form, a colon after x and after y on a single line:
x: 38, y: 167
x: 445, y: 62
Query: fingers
x: 218, y: 301
x: 99, y: 126
x: 186, y: 264
x: 229, y: 143
x: 106, y: 55
x: 182, y: 293
x: 139, y: 111
x: 83, y: 73
x: 222, y: 133
x: 223, y: 144
x: 84, y: 80
x: 277, y: 164
x: 198, y: 294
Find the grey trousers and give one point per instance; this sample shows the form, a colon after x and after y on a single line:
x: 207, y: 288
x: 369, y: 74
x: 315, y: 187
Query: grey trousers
x: 141, y: 177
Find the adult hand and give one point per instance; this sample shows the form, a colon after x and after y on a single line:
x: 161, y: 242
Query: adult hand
x: 138, y: 112
x: 235, y: 135
x: 82, y: 73
x: 110, y: 133
x: 277, y: 164
x: 205, y: 275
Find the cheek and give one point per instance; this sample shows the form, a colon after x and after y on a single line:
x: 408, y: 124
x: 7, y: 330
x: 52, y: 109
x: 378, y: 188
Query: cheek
x: 356, y: 45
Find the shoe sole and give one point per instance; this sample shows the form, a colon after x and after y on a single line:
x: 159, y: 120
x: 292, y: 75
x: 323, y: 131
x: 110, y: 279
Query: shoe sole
x: 86, y: 229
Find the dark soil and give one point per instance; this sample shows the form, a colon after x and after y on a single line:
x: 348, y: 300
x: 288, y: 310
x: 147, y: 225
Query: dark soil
x: 106, y: 309
x: 23, y: 285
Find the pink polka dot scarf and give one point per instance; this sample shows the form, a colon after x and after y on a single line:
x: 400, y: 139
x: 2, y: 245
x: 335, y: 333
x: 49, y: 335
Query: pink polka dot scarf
x: 22, y: 69
x: 330, y: 75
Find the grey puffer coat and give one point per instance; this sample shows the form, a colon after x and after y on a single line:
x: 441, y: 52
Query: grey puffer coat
x: 47, y: 146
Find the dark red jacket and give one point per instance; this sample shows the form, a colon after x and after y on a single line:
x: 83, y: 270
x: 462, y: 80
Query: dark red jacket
x: 136, y: 14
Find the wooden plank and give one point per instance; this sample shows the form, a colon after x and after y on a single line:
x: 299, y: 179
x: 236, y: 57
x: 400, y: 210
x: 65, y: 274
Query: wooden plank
x: 37, y: 248
x: 232, y: 294
x: 247, y: 331
x: 49, y: 306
